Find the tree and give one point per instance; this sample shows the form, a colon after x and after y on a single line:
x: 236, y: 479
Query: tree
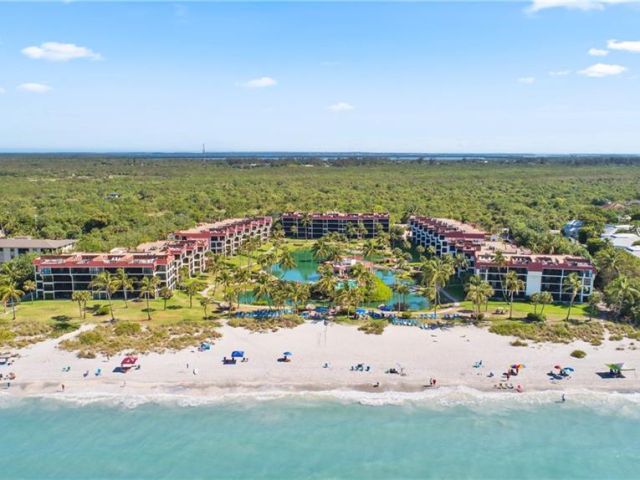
x: 545, y: 299
x: 299, y: 293
x: 148, y: 287
x: 402, y: 289
x: 81, y: 297
x: 9, y: 292
x: 501, y: 262
x: 286, y: 261
x: 623, y: 296
x: 204, y: 303
x: 595, y: 299
x: 105, y: 282
x: 165, y: 294
x: 29, y: 286
x: 369, y: 249
x: 572, y: 284
x: 262, y: 288
x: 478, y: 293
x: 513, y: 285
x: 535, y: 301
x: 191, y: 287
x: 124, y: 283
x: 436, y: 272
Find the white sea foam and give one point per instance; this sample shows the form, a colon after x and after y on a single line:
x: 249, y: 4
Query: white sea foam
x: 627, y: 404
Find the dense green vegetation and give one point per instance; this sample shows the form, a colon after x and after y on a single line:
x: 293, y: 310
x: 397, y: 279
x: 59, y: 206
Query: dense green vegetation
x: 60, y: 197
x: 109, y: 202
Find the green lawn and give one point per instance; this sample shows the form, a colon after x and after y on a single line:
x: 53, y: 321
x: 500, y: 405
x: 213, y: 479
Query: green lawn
x: 520, y: 310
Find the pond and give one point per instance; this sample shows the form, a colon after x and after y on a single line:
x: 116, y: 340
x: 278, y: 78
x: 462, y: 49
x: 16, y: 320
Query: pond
x: 306, y: 270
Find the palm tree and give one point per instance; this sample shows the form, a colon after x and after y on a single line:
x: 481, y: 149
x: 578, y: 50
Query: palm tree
x: 402, y: 289
x: 501, y: 262
x: 306, y: 221
x: 594, y: 301
x: 148, y: 287
x: 535, y: 301
x: 286, y: 261
x: 369, y: 249
x: 29, y: 286
x: 81, y: 297
x: 513, y: 285
x: 327, y: 282
x: 165, y: 294
x: 108, y: 284
x: 263, y: 288
x: 460, y: 263
x: 431, y: 294
x: 621, y: 294
x: 545, y: 299
x: 572, y: 284
x: 608, y: 261
x: 124, y: 283
x: 478, y: 292
x: 204, y: 303
x: 300, y: 294
x: 436, y: 272
x: 191, y: 287
x: 9, y: 292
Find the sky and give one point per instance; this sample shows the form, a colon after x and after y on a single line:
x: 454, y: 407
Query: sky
x: 543, y: 76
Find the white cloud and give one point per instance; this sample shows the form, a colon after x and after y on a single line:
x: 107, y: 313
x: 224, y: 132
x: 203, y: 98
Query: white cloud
x: 599, y: 70
x: 560, y: 73
x: 537, y: 5
x: 627, y: 46
x: 60, y: 52
x: 527, y: 80
x: 34, y: 87
x: 261, y: 82
x: 598, y: 52
x: 341, y: 107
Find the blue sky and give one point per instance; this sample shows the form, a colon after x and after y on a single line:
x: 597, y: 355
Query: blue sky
x: 403, y: 77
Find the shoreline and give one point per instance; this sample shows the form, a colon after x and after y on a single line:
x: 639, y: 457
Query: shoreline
x: 445, y: 355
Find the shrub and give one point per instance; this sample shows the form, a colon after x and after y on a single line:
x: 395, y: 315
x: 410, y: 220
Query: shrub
x: 578, y: 354
x: 86, y: 354
x: 615, y: 338
x: 89, y: 338
x: 519, y: 343
x: 127, y: 328
x: 535, y: 317
x: 374, y: 327
x: 405, y: 315
x: 101, y: 310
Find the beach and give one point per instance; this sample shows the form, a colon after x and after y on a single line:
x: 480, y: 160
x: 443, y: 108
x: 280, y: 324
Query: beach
x: 447, y: 356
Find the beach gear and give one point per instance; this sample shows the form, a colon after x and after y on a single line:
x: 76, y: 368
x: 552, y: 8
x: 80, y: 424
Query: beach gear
x: 237, y: 354
x: 287, y: 354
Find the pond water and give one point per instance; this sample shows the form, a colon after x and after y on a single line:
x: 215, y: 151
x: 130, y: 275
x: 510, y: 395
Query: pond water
x: 306, y: 270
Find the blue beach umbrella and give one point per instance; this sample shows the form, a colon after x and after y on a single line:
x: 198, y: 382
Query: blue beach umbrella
x: 287, y: 354
x: 237, y: 354
x: 569, y: 369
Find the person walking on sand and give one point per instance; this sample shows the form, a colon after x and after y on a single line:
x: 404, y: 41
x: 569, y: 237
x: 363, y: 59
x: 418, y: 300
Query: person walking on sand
x: 563, y: 398
x: 62, y: 385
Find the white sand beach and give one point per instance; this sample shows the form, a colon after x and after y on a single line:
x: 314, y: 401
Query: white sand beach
x: 446, y: 355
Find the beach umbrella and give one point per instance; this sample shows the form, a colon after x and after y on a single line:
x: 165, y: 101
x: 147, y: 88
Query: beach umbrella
x: 287, y: 354
x: 569, y: 369
x: 237, y: 354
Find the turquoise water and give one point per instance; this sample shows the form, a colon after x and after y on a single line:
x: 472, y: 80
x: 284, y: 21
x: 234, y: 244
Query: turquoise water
x: 306, y: 270
x: 292, y: 438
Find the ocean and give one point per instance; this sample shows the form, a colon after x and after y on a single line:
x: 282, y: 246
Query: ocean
x: 455, y: 434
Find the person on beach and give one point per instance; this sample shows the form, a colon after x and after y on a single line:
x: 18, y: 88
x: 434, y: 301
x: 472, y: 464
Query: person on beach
x: 62, y: 387
x: 563, y: 399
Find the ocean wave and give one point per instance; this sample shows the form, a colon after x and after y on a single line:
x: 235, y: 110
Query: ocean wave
x: 483, y: 402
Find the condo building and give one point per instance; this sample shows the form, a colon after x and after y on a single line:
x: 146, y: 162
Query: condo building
x: 317, y: 225
x: 226, y: 237
x: 10, y: 248
x: 58, y: 276
x: 491, y: 259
